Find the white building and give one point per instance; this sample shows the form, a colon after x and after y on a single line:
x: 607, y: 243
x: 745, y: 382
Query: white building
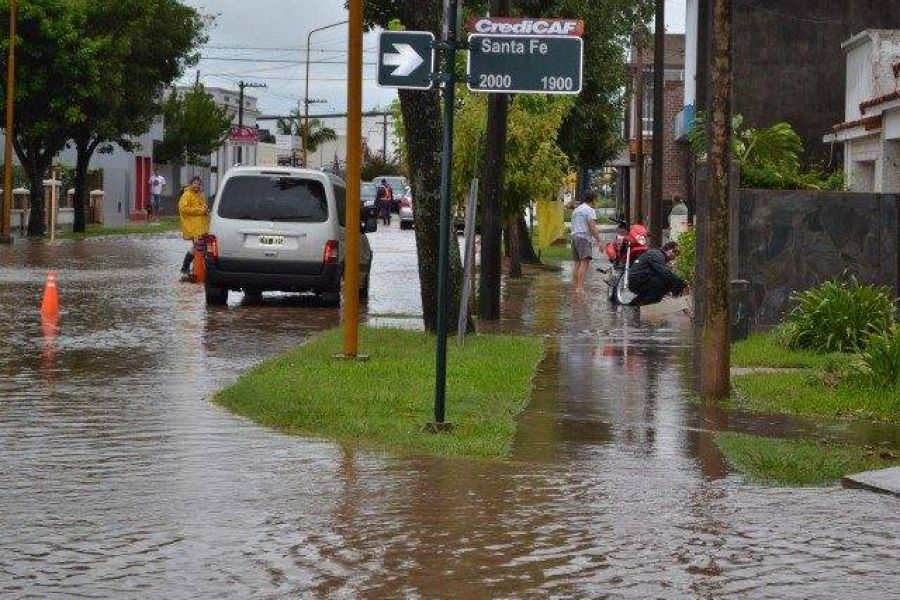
x: 870, y: 131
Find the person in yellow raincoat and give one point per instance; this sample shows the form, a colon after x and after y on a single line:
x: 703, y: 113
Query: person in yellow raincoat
x: 194, y: 214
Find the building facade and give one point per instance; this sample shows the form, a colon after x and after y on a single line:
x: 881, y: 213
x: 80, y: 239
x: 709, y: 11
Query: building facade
x: 870, y: 129
x: 787, y: 62
x: 675, y: 155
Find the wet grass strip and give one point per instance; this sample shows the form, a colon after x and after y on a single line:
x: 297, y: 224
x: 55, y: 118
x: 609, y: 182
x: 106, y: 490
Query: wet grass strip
x: 808, y: 393
x: 166, y: 225
x: 763, y: 350
x: 798, y: 462
x: 386, y: 401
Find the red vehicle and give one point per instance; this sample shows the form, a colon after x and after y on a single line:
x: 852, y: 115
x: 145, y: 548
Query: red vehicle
x: 630, y: 243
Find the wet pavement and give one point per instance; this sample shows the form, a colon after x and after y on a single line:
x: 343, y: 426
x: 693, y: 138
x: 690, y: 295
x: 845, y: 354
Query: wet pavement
x: 120, y: 480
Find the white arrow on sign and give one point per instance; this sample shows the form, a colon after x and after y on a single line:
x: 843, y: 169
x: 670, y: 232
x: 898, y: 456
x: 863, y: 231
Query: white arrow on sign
x: 406, y: 60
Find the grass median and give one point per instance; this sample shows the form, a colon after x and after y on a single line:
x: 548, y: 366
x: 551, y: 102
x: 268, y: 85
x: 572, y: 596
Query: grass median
x: 386, y: 401
x: 165, y: 225
x: 798, y: 462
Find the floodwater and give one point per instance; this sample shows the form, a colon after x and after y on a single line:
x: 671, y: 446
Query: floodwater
x: 120, y: 480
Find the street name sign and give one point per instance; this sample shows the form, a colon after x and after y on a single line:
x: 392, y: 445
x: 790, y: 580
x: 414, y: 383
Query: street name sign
x: 537, y: 64
x: 406, y: 59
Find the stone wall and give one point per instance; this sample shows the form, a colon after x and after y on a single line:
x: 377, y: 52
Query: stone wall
x: 784, y: 241
x: 793, y: 240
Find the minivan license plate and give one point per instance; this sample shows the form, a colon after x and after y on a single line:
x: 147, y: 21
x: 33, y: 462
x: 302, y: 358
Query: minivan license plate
x: 271, y: 240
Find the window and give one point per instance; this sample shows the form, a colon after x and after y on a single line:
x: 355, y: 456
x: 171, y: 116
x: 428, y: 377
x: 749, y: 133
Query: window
x: 340, y: 199
x: 274, y: 198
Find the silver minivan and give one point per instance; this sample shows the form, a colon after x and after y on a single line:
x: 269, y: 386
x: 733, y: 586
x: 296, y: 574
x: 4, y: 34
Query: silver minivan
x: 280, y: 229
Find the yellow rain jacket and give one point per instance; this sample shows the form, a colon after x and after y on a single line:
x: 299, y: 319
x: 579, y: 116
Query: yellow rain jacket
x: 194, y: 214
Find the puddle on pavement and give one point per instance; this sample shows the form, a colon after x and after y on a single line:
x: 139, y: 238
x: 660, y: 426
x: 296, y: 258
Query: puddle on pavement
x: 120, y: 479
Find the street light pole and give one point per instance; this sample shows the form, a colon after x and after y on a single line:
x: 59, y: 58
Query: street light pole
x: 6, y: 216
x: 306, y: 101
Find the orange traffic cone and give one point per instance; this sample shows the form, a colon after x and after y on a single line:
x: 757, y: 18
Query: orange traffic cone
x: 199, y: 267
x: 50, y: 303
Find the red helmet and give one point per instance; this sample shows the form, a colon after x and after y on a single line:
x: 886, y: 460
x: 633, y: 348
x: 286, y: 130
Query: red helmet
x: 639, y: 236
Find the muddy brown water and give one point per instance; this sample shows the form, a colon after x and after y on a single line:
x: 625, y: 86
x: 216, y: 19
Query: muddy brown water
x: 119, y: 479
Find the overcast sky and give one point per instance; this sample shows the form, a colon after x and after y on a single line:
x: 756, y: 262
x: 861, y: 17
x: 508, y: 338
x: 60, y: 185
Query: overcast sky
x: 245, y: 34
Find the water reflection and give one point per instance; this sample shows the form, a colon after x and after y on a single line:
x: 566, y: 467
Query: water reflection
x: 120, y: 479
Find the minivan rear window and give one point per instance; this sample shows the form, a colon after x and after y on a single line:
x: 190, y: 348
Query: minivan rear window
x: 274, y: 198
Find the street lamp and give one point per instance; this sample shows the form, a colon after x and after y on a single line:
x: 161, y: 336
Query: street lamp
x: 306, y: 94
x: 6, y: 216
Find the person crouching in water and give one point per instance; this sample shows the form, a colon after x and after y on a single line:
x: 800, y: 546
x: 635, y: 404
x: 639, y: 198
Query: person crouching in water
x: 651, y: 278
x: 194, y: 215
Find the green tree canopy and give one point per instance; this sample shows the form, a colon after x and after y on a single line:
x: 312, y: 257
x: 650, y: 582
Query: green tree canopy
x: 195, y: 127
x: 150, y: 42
x: 535, y: 163
x: 57, y: 68
x: 317, y: 135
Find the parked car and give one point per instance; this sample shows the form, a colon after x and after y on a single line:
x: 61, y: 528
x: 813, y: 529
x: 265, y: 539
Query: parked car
x: 369, y: 207
x: 406, y: 210
x: 398, y: 184
x: 280, y: 228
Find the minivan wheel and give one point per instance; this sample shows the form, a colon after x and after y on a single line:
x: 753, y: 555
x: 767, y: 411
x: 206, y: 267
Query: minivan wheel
x: 331, y: 299
x: 216, y: 295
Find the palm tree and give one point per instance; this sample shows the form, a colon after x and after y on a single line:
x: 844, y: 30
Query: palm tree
x: 318, y: 134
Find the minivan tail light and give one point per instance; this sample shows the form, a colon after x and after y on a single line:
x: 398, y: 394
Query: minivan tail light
x: 331, y: 252
x: 212, y: 247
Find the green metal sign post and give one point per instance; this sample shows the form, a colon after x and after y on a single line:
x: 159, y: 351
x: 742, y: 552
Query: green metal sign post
x: 449, y: 47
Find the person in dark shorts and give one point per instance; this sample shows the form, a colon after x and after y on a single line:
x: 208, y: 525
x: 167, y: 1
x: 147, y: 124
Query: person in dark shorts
x: 584, y: 232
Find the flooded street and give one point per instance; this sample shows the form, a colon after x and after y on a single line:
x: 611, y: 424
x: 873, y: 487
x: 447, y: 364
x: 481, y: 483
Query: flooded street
x: 120, y: 480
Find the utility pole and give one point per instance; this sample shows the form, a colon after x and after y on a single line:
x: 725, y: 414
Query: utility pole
x: 306, y: 100
x: 6, y: 216
x: 659, y: 118
x: 492, y: 202
x: 354, y: 170
x: 637, y: 214
x: 714, y: 318
x: 243, y: 84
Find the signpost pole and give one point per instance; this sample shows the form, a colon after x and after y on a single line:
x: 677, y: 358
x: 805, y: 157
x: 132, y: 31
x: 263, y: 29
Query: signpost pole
x: 354, y: 170
x: 449, y: 48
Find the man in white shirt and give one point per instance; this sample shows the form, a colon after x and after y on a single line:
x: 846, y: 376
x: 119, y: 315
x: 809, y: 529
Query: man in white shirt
x: 584, y: 232
x: 157, y: 183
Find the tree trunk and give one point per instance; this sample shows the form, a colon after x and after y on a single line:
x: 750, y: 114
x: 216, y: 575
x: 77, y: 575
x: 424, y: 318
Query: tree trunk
x: 715, y: 343
x: 424, y: 143
x: 659, y: 110
x: 515, y: 248
x: 637, y: 210
x: 36, y: 220
x: 489, y: 278
x: 526, y: 248
x: 84, y: 151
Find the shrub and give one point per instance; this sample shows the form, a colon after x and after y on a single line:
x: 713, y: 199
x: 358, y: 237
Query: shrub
x: 687, y: 259
x: 838, y: 316
x: 880, y: 364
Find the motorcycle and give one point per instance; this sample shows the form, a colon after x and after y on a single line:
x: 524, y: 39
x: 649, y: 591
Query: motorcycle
x: 630, y: 243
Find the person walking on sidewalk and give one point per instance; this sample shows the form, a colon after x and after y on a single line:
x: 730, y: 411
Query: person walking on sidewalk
x: 385, y: 200
x: 157, y: 184
x: 194, y: 214
x: 584, y: 232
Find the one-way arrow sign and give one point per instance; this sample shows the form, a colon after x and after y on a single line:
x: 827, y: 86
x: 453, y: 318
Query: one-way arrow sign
x: 406, y: 59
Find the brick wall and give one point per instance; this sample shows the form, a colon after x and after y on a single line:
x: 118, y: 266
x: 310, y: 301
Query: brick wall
x: 674, y: 154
